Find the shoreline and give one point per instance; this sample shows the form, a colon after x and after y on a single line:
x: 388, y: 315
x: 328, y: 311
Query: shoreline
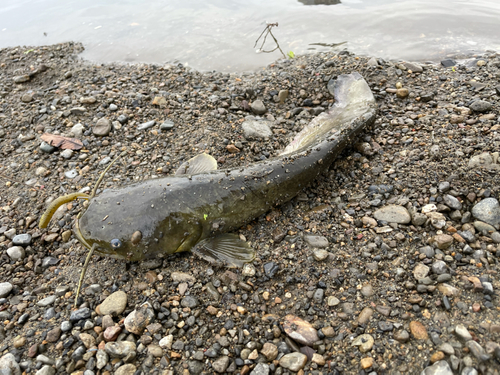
x: 388, y: 263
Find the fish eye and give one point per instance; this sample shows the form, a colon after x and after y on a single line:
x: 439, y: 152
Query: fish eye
x: 116, y: 243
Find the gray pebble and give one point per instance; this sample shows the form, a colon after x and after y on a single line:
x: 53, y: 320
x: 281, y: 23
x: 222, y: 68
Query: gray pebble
x: 83, y: 313
x: 8, y: 365
x: 258, y: 107
x: 488, y: 210
x: 438, y: 368
x: 113, y: 107
x: 256, y: 129
x: 260, y: 369
x: 46, y: 301
x: 189, y: 301
x: 316, y: 241
x: 71, y: 174
x: 167, y: 125
x: 45, y: 147
x: 5, y: 289
x: 452, y: 202
x: 463, y: 333
x: 481, y: 106
x: 46, y: 370
x: 439, y: 267
x: 67, y: 154
x: 146, y: 125
x: 23, y: 239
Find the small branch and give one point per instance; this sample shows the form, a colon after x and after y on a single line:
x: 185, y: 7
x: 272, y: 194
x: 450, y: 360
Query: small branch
x: 268, y: 31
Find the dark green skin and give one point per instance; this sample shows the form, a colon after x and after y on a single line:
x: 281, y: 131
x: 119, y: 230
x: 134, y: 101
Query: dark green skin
x: 175, y: 213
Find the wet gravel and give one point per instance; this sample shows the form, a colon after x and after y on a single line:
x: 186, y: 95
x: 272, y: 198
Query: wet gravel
x: 388, y: 264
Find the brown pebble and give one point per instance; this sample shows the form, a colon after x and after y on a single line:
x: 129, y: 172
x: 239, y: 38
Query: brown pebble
x: 418, y: 330
x: 437, y: 356
x: 212, y: 310
x: 232, y: 149
x: 33, y: 350
x: 476, y: 307
x: 366, y: 363
x: 111, y: 333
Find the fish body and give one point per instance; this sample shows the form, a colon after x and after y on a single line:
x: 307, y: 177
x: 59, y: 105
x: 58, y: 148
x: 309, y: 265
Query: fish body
x: 177, y: 213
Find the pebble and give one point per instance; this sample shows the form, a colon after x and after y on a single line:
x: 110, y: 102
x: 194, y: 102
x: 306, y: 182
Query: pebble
x: 320, y: 254
x: 102, y: 128
x: 71, y: 174
x: 137, y: 320
x: 316, y: 241
x: 16, y: 253
x: 462, y: 332
x: 23, y: 239
x: 443, y: 241
x: 300, y: 330
x: 127, y: 369
x: 366, y: 362
x: 488, y: 210
x: 418, y: 330
x: 146, y: 125
x: 420, y: 271
x: 258, y: 107
x: 45, y: 147
x: 293, y: 361
x: 119, y: 349
x: 452, y: 202
x: 270, y: 351
x: 67, y: 154
x: 8, y: 365
x: 220, y: 365
x: 114, y: 304
x: 260, y: 369
x: 438, y: 368
x: 46, y: 370
x: 47, y: 301
x: 393, y: 214
x: 80, y: 314
x: 256, y: 129
x: 167, y: 125
x: 481, y: 106
x: 364, y: 342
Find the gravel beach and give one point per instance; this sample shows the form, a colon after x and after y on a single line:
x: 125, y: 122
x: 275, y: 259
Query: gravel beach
x: 387, y: 264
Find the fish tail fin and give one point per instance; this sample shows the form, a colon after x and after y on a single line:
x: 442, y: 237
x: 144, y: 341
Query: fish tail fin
x: 352, y: 94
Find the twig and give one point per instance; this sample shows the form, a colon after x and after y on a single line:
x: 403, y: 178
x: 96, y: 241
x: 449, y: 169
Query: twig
x: 268, y: 31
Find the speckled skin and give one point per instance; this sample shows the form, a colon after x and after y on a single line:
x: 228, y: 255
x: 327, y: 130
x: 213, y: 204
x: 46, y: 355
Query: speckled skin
x: 174, y: 213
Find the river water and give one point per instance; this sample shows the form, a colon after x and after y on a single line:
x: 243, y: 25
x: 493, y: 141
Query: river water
x: 220, y: 34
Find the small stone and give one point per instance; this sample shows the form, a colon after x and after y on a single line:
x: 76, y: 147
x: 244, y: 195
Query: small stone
x: 402, y: 336
x: 119, y: 349
x: 260, y: 369
x: 364, y: 342
x: 232, y: 149
x: 293, y: 361
x: 393, y: 214
x: 114, y: 304
x: 54, y: 334
x: 46, y: 370
x: 481, y: 106
x: 67, y: 154
x: 437, y: 356
x: 438, y: 368
x: 137, y: 320
x: 300, y: 330
x: 87, y: 340
x: 462, y: 332
x: 320, y: 254
x: 102, y: 127
x: 248, y: 270
x: 127, y: 369
x: 220, y: 364
x: 316, y: 241
x: 420, y: 271
x: 166, y: 342
x: 402, y: 93
x: 112, y: 333
x: 477, y: 350
x: 80, y: 314
x: 452, y: 202
x: 270, y: 351
x: 16, y: 253
x: 155, y: 350
x: 8, y: 365
x: 19, y: 341
x: 366, y: 362
x: 256, y: 129
x: 258, y: 107
x: 182, y: 277
x: 167, y: 125
x: 443, y: 241
x: 365, y: 315
x: 102, y: 359
x: 23, y: 239
x: 45, y: 147
x: 146, y: 125
x: 332, y: 301
x: 46, y: 301
x: 488, y: 210
x: 418, y: 330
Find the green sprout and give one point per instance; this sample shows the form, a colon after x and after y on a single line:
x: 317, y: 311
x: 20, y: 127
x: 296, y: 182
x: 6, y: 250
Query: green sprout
x: 291, y: 54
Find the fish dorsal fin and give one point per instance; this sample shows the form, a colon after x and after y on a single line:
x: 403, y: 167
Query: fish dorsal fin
x: 199, y: 164
x: 225, y: 249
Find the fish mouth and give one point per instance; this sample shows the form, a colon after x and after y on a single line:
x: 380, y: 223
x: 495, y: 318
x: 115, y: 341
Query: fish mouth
x: 78, y: 233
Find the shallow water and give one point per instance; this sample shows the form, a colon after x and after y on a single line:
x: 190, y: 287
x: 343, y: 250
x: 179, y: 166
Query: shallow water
x: 220, y: 34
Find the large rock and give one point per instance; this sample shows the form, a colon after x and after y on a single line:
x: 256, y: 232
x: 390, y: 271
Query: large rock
x: 8, y: 365
x: 293, y: 361
x: 300, y: 330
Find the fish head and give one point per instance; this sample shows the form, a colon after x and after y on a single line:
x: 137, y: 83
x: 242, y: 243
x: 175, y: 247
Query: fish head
x: 127, y: 226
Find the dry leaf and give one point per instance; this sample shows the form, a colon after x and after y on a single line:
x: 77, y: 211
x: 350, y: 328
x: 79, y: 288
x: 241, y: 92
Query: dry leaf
x: 62, y: 142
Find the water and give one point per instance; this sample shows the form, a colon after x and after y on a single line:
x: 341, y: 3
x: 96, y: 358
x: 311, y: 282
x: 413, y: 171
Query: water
x: 220, y: 34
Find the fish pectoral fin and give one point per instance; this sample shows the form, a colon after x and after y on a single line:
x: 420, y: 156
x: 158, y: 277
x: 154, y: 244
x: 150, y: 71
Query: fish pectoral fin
x: 199, y: 164
x: 225, y: 249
